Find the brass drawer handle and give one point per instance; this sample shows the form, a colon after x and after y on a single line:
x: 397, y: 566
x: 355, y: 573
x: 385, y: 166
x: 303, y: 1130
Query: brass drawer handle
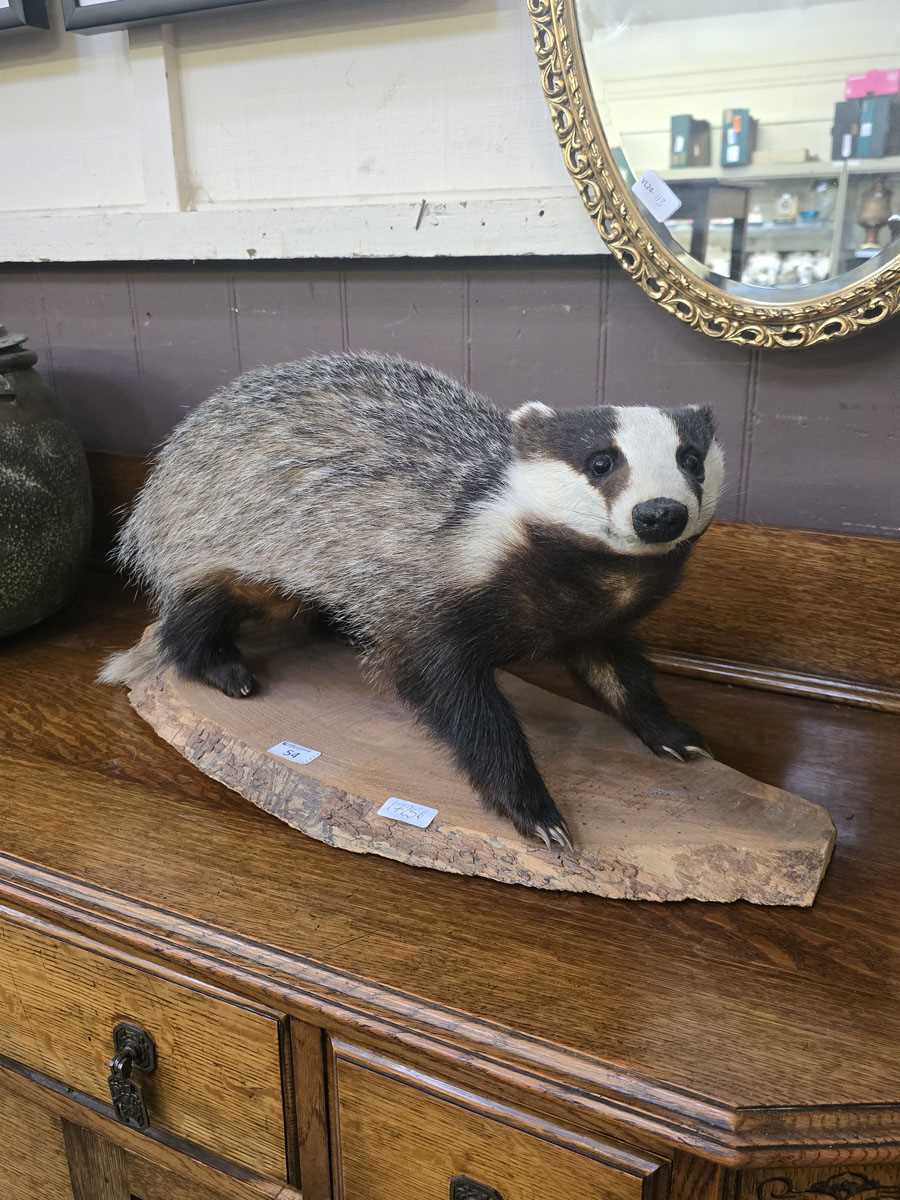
x: 134, y: 1049
x: 464, y: 1188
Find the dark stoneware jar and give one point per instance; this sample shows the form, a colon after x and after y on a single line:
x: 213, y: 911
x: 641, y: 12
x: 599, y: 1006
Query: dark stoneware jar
x: 45, y: 494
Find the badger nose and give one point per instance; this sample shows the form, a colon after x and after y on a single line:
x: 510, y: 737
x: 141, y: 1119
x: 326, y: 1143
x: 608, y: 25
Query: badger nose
x: 659, y: 520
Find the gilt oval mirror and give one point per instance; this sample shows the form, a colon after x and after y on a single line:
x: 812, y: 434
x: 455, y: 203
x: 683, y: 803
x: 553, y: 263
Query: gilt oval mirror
x: 740, y: 158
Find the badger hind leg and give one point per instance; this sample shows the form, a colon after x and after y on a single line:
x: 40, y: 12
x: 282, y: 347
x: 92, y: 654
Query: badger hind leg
x: 197, y: 635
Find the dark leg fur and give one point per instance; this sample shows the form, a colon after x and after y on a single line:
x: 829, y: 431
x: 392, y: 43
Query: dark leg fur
x: 463, y: 707
x: 620, y: 675
x: 197, y: 635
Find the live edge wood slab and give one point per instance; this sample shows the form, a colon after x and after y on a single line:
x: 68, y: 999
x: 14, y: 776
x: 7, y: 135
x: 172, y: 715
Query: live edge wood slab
x: 645, y: 828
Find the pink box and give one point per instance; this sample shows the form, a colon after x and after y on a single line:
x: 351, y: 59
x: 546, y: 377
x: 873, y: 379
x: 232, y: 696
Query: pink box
x: 876, y: 83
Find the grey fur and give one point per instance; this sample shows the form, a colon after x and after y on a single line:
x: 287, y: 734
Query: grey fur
x: 332, y: 478
x: 433, y: 527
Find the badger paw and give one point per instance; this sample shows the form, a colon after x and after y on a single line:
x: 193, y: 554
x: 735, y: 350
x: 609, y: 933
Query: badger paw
x: 675, y: 741
x: 547, y: 826
x: 234, y: 679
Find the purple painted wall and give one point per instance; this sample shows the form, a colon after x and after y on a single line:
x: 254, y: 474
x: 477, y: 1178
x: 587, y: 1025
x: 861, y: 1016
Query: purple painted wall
x: 813, y: 438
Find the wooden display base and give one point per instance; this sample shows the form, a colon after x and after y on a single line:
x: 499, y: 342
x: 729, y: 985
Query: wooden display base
x: 645, y: 828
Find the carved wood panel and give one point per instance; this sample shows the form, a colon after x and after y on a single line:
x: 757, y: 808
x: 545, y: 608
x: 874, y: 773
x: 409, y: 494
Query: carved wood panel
x: 876, y: 1182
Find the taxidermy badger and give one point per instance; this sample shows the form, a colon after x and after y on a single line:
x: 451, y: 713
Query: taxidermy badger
x: 446, y: 536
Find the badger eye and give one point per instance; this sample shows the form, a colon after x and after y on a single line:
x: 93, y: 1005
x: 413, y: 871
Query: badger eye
x: 692, y: 463
x: 601, y: 464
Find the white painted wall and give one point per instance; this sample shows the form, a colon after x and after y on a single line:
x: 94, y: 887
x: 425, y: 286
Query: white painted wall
x: 68, y: 122
x: 315, y: 128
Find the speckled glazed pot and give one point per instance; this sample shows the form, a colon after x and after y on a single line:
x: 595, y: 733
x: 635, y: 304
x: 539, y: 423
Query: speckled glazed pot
x: 45, y: 494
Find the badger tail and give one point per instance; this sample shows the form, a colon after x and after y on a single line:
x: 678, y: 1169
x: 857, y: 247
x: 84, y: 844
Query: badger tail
x: 131, y: 666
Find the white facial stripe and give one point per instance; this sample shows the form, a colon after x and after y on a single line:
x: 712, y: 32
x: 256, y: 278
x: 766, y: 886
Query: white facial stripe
x: 648, y: 440
x: 550, y: 492
x: 712, y: 486
x: 545, y: 491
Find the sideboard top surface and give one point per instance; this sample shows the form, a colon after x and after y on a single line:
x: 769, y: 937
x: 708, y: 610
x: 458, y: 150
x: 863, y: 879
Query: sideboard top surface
x: 745, y: 1021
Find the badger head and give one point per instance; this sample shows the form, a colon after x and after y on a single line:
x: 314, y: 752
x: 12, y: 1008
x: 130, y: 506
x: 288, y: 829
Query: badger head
x: 637, y: 481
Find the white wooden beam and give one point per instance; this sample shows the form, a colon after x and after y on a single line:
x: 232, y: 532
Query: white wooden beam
x: 154, y: 73
x: 480, y: 224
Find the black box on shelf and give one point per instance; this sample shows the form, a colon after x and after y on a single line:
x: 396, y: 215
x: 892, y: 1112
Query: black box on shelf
x: 845, y: 130
x: 879, y: 127
x: 688, y: 142
x: 738, y: 137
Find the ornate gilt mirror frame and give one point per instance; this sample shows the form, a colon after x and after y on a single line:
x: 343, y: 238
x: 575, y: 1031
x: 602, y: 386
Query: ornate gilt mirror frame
x: 657, y: 268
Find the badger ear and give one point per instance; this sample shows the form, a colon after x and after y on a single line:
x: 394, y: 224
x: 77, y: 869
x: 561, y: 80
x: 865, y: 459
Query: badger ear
x: 706, y: 415
x: 534, y: 410
x: 696, y: 422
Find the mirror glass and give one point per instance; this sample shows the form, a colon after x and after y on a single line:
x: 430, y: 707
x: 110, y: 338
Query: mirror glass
x: 761, y: 136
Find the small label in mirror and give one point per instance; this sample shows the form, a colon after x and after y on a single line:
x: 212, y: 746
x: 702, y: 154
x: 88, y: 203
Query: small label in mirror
x: 656, y: 195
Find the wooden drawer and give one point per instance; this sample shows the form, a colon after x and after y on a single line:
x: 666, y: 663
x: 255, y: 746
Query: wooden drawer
x: 218, y: 1075
x: 32, y: 1153
x: 402, y: 1133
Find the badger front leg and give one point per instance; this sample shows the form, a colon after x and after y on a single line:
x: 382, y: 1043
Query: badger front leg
x: 619, y: 675
x: 463, y: 707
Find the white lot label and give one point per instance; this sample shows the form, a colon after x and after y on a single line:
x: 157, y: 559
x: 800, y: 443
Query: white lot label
x: 294, y: 753
x: 656, y: 195
x: 419, y: 815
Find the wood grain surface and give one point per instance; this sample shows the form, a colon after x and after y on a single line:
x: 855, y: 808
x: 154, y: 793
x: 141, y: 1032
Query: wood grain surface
x: 32, y: 1151
x: 309, y: 1067
x: 146, y: 1181
x: 645, y: 828
x: 98, y: 1167
x: 217, y: 1080
x: 399, y: 1140
x: 877, y: 1182
x: 818, y: 604
x: 751, y: 1035
x: 168, y: 1159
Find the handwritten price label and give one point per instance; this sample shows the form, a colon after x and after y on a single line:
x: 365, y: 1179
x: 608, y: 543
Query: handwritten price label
x: 419, y: 815
x: 656, y: 195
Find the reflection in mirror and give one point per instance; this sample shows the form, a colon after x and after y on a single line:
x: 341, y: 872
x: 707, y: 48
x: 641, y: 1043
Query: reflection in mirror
x: 775, y: 123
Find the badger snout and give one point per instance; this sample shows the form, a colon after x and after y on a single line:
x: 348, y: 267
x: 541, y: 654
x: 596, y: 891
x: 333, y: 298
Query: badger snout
x: 659, y: 520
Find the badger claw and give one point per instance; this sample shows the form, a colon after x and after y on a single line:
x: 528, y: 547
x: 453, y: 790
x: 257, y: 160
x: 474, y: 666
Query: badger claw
x: 554, y: 837
x: 559, y: 835
x: 674, y: 753
x: 698, y: 752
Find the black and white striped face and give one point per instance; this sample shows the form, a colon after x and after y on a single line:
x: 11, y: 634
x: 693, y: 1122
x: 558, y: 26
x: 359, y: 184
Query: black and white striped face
x: 638, y: 480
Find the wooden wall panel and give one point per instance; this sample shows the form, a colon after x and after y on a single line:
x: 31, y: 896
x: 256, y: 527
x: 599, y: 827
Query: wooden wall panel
x: 418, y: 312
x: 186, y: 330
x: 786, y: 600
x: 536, y: 334
x: 825, y: 450
x: 284, y: 313
x: 812, y: 437
x: 93, y: 355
